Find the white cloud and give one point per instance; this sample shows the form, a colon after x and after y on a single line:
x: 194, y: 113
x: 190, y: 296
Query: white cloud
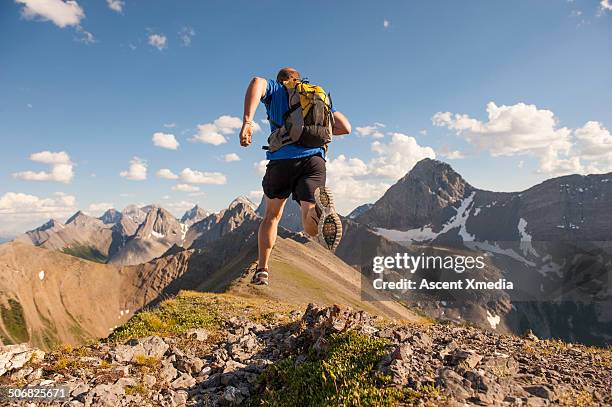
x: 158, y: 41
x: 451, y: 154
x: 178, y: 208
x: 185, y: 188
x: 231, y: 157
x: 137, y: 171
x: 186, y: 34
x: 61, y: 168
x: 85, y: 36
x: 116, y: 5
x: 169, y: 125
x: 373, y: 130
x: 98, y: 208
x: 347, y: 177
x: 199, y: 177
x: 61, y: 13
x: 398, y: 156
x: 166, y: 173
x: 342, y: 167
x: 256, y: 196
x: 165, y: 140
x: 386, y: 23
x: 516, y: 130
x: 605, y: 5
x: 594, y: 146
x: 260, y: 166
x: 214, y: 133
x: 20, y: 212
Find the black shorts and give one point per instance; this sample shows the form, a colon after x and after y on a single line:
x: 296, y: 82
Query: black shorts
x: 297, y: 176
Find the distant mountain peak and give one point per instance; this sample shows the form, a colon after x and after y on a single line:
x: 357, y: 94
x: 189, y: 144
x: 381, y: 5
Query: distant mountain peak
x: 79, y: 215
x: 111, y: 216
x: 52, y: 223
x: 244, y: 201
x: 194, y: 215
x: 418, y: 198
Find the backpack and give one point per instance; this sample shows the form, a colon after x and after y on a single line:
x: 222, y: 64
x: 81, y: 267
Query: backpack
x: 309, y: 120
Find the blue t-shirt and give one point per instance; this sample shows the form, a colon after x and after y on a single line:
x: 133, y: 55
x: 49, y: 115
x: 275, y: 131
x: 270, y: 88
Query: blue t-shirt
x: 277, y: 104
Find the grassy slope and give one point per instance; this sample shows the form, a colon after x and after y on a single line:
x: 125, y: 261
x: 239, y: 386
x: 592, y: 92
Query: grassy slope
x: 301, y: 273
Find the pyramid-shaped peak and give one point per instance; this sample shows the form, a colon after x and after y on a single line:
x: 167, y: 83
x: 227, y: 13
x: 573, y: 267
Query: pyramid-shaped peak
x: 243, y: 200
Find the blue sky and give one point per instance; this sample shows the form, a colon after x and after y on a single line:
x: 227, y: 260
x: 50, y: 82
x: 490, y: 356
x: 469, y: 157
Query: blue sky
x: 509, y: 93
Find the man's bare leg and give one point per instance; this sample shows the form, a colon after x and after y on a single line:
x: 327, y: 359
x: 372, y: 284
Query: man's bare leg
x: 268, y: 229
x: 310, y: 220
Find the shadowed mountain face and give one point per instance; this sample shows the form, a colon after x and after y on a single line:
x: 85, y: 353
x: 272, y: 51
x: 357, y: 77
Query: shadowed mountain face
x: 552, y: 240
x: 434, y: 203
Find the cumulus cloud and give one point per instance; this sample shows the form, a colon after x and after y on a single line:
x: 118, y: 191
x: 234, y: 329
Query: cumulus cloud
x: 523, y: 129
x: 98, y: 208
x: 59, y: 12
x: 165, y: 140
x: 231, y: 157
x: 202, y: 177
x: 186, y: 34
x: 166, y: 174
x: 185, y: 188
x: 20, y: 212
x: 158, y: 41
x: 260, y: 166
x: 179, y: 207
x: 137, y: 171
x: 398, y: 156
x: 256, y: 196
x: 61, y: 168
x: 605, y: 5
x: 594, y: 146
x: 350, y: 180
x: 449, y: 154
x: 374, y: 130
x: 214, y: 133
x: 115, y: 5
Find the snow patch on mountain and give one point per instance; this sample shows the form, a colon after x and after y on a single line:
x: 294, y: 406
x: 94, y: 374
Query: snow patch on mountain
x: 157, y: 234
x: 526, y: 246
x: 424, y: 234
x: 427, y: 234
x: 493, y: 319
x: 460, y: 218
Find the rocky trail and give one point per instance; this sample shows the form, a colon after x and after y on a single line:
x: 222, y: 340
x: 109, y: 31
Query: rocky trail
x: 209, y: 350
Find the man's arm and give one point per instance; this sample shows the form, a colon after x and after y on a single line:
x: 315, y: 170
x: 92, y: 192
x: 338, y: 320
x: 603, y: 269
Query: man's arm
x: 254, y: 93
x: 341, y: 124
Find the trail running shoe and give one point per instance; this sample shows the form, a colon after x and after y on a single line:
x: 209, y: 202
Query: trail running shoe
x: 330, y: 225
x: 260, y: 277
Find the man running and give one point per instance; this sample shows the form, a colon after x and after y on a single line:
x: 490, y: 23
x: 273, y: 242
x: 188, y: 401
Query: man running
x: 293, y: 169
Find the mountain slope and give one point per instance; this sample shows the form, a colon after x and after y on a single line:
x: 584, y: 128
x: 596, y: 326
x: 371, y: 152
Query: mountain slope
x: 552, y: 241
x: 81, y: 234
x: 50, y: 298
x: 434, y: 203
x: 159, y: 231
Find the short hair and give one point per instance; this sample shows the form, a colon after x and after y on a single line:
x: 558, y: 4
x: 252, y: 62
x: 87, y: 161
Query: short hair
x: 287, y: 73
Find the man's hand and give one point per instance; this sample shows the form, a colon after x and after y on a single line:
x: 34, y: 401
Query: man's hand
x: 246, y: 133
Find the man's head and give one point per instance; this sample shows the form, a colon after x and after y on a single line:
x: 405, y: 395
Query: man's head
x: 287, y: 73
